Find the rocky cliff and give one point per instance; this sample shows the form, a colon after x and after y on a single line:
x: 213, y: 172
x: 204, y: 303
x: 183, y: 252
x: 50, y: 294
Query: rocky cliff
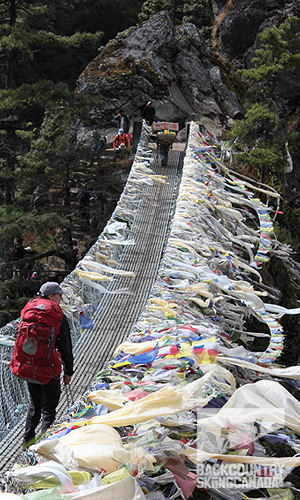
x: 238, y: 24
x: 175, y: 68
x: 172, y: 66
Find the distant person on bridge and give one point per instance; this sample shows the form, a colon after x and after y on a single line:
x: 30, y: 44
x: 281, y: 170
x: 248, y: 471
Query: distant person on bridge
x: 164, y: 140
x: 43, y: 343
x: 148, y: 113
x: 123, y: 121
x: 164, y: 154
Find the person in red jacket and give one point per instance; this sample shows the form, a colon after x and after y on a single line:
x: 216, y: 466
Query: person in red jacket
x: 44, y: 398
x: 120, y: 141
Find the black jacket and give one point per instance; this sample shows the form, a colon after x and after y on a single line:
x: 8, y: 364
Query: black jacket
x: 148, y: 114
x: 64, y: 346
x: 19, y: 252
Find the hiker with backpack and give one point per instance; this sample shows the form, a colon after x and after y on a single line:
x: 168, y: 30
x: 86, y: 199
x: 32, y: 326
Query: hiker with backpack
x: 19, y: 251
x: 99, y: 141
x: 120, y: 141
x: 42, y: 345
x: 165, y: 137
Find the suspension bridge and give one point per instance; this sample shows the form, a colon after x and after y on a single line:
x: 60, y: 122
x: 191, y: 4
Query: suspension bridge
x: 184, y: 245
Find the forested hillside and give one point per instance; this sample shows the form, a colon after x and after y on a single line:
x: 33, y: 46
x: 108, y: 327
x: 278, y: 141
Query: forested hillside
x: 247, y: 56
x: 44, y: 47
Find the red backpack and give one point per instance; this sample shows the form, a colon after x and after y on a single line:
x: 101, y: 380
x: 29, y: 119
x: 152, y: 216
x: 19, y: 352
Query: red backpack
x: 34, y: 356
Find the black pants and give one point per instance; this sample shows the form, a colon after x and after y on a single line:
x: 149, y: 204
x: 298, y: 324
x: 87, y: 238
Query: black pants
x: 44, y: 400
x: 164, y: 153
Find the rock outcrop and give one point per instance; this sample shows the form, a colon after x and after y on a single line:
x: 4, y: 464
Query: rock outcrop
x: 171, y: 66
x: 238, y: 24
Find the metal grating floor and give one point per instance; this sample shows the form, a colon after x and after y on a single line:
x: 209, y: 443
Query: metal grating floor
x: 117, y: 314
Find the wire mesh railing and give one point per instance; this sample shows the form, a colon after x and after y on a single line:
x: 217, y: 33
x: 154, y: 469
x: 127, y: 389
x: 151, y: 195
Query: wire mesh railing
x: 84, y: 294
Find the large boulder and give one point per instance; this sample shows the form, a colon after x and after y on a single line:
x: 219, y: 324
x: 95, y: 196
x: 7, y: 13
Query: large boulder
x: 171, y: 66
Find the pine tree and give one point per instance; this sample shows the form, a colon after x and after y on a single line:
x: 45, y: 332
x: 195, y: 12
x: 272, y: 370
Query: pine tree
x: 151, y: 7
x: 198, y: 12
x: 264, y: 129
x: 22, y: 106
x: 277, y: 58
x: 27, y: 106
x: 47, y: 171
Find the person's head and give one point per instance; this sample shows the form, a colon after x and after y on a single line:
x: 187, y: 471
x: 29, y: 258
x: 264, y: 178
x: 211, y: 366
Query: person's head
x: 53, y: 291
x: 20, y: 240
x: 149, y: 104
x: 121, y: 131
x: 121, y: 111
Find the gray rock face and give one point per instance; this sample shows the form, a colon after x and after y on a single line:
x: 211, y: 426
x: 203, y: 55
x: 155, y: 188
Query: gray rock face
x: 245, y: 20
x: 240, y: 22
x: 172, y: 67
x: 230, y: 102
